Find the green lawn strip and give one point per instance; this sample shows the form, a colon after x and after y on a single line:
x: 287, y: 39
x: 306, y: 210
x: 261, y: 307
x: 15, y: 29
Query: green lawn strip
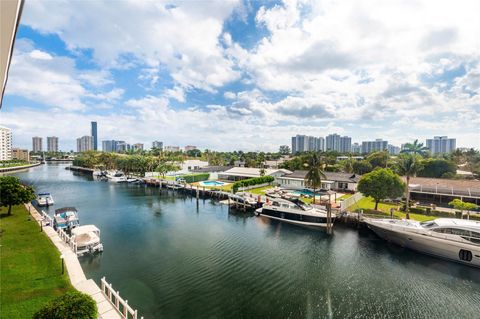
x: 368, y: 205
x: 259, y: 190
x: 345, y: 196
x: 225, y: 188
x: 30, y: 270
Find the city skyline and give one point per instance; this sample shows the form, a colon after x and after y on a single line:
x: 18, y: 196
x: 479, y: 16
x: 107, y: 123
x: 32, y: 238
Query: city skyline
x: 226, y: 78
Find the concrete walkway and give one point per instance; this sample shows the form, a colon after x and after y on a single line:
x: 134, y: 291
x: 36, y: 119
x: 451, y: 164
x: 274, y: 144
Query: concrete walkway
x: 75, y: 271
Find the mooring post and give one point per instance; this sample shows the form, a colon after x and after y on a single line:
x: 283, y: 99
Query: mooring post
x: 329, y: 218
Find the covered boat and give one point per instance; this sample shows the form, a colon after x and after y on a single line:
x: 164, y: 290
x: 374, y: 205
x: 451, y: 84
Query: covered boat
x: 66, y: 218
x: 87, y: 239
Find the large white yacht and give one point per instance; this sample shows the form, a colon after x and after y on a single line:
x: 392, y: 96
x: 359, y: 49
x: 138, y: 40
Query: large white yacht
x: 295, y: 212
x: 116, y: 177
x: 454, y: 239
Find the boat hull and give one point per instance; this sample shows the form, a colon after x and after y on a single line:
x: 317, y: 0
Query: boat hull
x: 321, y: 223
x: 429, y: 245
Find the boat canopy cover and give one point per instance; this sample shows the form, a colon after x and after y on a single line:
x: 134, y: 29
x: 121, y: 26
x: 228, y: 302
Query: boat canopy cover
x: 85, y: 229
x: 44, y: 194
x: 65, y: 209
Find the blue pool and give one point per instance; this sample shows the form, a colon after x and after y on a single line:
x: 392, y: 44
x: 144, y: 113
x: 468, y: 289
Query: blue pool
x: 211, y: 183
x: 303, y: 192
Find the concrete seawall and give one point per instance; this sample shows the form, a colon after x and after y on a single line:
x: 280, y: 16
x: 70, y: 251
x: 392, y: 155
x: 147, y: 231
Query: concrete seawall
x: 17, y: 168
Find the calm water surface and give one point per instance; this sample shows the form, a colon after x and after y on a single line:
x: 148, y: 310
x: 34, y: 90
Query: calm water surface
x: 172, y: 258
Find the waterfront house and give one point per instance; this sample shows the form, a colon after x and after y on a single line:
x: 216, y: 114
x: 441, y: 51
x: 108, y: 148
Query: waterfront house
x: 442, y: 191
x: 334, y: 181
x: 240, y: 173
x: 189, y: 166
x: 212, y: 170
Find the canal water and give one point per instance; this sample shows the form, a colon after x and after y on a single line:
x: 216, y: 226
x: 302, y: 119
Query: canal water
x: 174, y: 258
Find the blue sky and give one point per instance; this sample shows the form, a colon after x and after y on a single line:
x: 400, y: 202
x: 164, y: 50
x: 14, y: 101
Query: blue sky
x: 245, y: 74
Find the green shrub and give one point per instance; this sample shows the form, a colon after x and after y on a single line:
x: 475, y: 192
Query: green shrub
x: 72, y: 305
x: 251, y: 182
x: 417, y: 210
x: 196, y: 177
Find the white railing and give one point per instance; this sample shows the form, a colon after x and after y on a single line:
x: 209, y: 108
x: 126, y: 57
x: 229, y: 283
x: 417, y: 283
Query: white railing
x: 46, y: 219
x: 347, y: 202
x: 67, y: 239
x: 120, y: 305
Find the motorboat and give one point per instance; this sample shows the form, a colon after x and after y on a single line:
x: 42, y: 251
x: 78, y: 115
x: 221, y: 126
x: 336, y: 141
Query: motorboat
x: 453, y: 239
x: 45, y: 199
x: 243, y: 200
x: 116, y: 177
x: 86, y: 239
x: 295, y: 212
x: 66, y: 218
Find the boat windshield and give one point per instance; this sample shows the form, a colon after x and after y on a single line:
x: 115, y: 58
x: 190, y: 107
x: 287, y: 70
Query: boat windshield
x: 428, y: 224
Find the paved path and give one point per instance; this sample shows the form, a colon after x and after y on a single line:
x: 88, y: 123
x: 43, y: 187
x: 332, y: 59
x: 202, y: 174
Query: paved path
x: 75, y: 271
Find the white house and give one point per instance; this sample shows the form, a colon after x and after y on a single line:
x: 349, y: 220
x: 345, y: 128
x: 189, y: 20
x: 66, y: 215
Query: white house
x: 239, y: 173
x: 190, y: 165
x: 334, y: 181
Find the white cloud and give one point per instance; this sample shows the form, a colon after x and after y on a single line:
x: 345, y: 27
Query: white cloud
x: 184, y: 38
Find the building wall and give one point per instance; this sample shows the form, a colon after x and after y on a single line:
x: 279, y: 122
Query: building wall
x: 37, y: 144
x: 52, y: 144
x: 84, y: 143
x: 20, y: 154
x: 441, y: 144
x: 157, y: 144
x: 374, y: 146
x: 94, y: 136
x: 5, y: 143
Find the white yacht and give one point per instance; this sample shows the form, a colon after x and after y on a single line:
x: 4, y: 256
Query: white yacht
x: 454, y: 239
x: 45, y: 199
x: 295, y: 212
x: 87, y: 239
x: 116, y: 177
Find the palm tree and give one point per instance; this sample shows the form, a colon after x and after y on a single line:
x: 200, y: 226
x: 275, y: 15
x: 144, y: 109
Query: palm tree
x: 408, y: 165
x: 415, y: 148
x: 315, y: 173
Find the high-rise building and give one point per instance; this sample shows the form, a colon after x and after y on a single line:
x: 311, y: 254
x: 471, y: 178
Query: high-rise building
x: 37, y: 144
x: 20, y: 154
x: 52, y: 143
x: 5, y: 143
x: 157, y: 144
x: 84, y: 143
x: 138, y: 147
x: 304, y: 143
x: 441, y: 144
x: 374, y: 146
x: 393, y: 150
x: 332, y: 142
x: 356, y: 148
x: 345, y: 144
x: 109, y: 146
x: 94, y: 136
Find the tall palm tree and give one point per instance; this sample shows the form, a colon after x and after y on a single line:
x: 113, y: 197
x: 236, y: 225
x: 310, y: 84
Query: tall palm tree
x: 415, y: 148
x: 315, y: 173
x: 408, y: 165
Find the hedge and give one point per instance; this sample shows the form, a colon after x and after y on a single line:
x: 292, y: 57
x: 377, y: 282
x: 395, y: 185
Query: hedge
x: 72, y: 305
x: 196, y: 177
x: 251, y: 182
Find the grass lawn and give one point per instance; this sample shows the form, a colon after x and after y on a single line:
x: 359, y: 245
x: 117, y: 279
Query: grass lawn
x: 345, y: 196
x: 225, y: 188
x: 30, y: 270
x: 368, y: 205
x: 260, y: 190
